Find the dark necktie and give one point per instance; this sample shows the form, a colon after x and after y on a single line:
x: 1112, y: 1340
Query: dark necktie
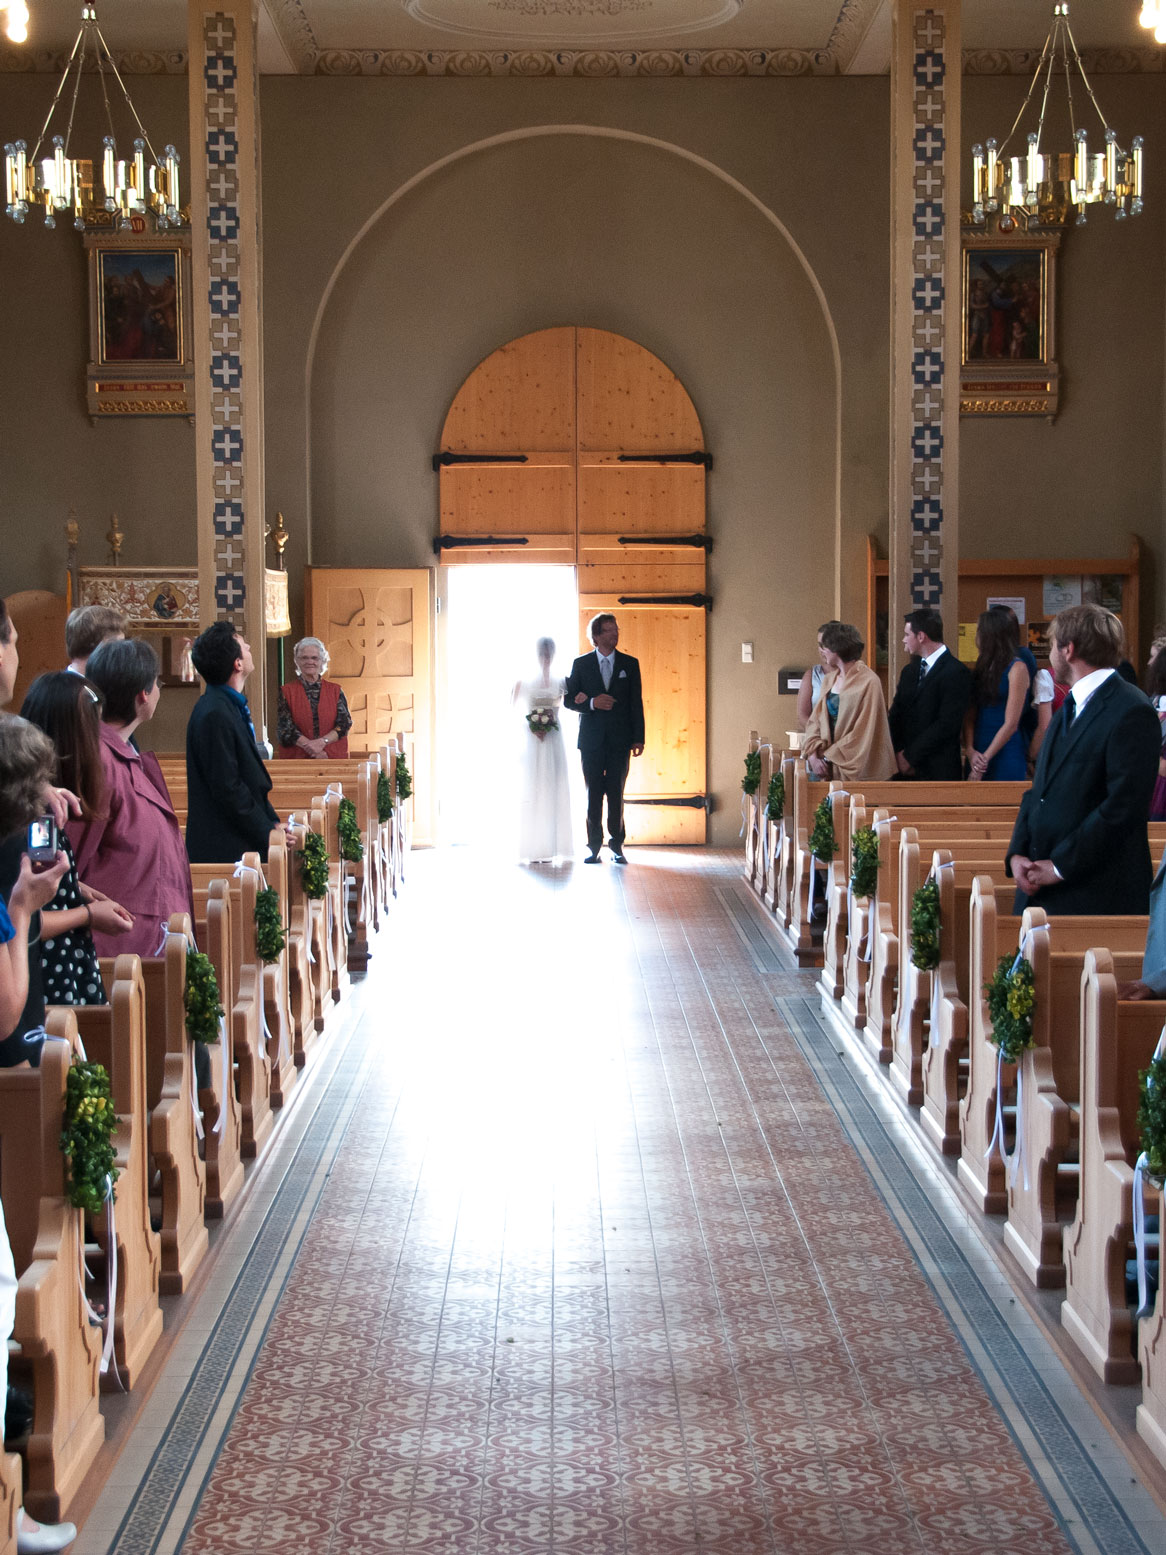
x: 1070, y: 710
x: 923, y: 668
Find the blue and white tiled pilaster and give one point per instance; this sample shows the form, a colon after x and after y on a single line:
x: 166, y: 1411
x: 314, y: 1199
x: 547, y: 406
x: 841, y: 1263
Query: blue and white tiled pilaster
x: 925, y: 89
x: 224, y: 135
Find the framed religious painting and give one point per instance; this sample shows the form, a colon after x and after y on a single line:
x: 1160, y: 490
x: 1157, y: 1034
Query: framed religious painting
x: 140, y: 324
x: 1008, y: 364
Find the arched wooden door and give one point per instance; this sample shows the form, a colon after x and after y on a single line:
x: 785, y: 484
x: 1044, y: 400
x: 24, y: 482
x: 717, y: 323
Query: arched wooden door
x: 574, y: 445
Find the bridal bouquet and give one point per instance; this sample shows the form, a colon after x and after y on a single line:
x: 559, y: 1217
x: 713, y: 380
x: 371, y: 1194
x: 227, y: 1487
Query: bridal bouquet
x: 541, y: 720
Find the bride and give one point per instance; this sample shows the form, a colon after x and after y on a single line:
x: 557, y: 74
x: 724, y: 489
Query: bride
x: 544, y: 819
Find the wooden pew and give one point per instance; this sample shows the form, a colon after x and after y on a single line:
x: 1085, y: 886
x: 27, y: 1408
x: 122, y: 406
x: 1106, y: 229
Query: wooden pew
x: 848, y: 818
x: 799, y: 932
x: 779, y: 892
x: 222, y: 1122
x: 241, y: 991
x: 992, y: 935
x: 1151, y: 1412
x: 917, y: 990
x: 297, y: 986
x: 751, y: 818
x: 1042, y: 1196
x: 272, y: 978
x: 114, y: 1035
x: 172, y: 1106
x: 309, y: 925
x: 54, y: 1339
x: 336, y: 917
x: 1117, y: 1042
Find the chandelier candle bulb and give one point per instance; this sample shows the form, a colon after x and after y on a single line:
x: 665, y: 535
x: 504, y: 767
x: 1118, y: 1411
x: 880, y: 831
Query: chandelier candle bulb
x: 1137, y: 204
x: 139, y: 173
x: 61, y: 179
x: 109, y: 172
x: 993, y: 178
x: 1110, y: 166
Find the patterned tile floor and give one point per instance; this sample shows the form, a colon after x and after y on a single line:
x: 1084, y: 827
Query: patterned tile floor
x: 578, y: 1251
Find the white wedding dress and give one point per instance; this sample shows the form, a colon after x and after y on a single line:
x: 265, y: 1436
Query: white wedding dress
x: 544, y: 816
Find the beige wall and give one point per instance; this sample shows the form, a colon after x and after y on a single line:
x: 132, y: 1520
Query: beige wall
x: 625, y: 236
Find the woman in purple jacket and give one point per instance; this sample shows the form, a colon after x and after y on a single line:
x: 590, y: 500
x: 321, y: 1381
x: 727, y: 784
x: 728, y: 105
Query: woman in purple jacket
x: 133, y: 850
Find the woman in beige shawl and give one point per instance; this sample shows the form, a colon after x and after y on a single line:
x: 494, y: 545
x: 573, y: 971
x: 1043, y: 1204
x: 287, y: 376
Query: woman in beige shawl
x: 848, y: 735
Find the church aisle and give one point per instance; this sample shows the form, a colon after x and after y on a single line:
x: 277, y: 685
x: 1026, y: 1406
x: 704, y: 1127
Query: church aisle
x: 578, y: 1250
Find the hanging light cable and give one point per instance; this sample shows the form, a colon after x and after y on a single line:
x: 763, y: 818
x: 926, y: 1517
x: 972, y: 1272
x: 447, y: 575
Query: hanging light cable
x: 57, y: 182
x: 1048, y: 188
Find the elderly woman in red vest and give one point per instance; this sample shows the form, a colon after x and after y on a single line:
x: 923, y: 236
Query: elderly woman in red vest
x: 313, y: 718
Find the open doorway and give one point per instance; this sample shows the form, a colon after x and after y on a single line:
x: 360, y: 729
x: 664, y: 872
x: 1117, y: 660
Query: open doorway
x: 495, y: 615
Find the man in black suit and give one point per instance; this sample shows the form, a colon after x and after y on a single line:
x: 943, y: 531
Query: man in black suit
x: 228, y: 812
x: 604, y: 689
x: 1080, y: 842
x: 927, y: 714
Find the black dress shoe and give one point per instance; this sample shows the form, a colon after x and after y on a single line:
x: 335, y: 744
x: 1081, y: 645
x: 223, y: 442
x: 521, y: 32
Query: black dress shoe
x: 618, y: 857
x: 592, y: 858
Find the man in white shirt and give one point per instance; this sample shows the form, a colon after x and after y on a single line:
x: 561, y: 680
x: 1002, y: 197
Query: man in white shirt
x: 1080, y: 843
x: 604, y: 689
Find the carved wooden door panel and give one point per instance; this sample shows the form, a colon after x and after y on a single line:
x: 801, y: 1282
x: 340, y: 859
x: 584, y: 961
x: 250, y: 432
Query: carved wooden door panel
x: 578, y: 445
x: 377, y: 626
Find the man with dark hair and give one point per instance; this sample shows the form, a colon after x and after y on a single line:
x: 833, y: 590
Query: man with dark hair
x: 604, y: 689
x: 123, y: 670
x: 1080, y: 843
x: 932, y: 696
x: 86, y: 628
x: 228, y: 812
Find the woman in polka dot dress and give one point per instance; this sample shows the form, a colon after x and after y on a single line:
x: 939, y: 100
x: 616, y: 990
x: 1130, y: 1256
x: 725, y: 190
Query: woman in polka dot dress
x: 65, y: 706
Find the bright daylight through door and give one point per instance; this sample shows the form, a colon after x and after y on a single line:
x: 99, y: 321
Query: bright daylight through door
x: 494, y: 617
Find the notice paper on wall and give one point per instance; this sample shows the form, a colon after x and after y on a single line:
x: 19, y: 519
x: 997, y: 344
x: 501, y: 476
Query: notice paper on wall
x: 1014, y: 602
x: 1060, y: 593
x: 966, y: 645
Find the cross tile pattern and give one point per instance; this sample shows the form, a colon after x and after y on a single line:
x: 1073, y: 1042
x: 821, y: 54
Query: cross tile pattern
x: 597, y: 1268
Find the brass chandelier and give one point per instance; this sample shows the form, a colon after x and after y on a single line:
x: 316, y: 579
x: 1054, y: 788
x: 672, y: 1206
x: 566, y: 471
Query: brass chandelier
x: 58, y: 183
x: 1046, y: 188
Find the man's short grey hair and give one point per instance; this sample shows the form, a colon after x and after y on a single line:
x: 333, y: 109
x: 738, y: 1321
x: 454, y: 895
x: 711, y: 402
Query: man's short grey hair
x: 312, y: 642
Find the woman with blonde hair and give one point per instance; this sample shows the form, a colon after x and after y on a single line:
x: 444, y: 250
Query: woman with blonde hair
x: 313, y: 718
x: 848, y: 735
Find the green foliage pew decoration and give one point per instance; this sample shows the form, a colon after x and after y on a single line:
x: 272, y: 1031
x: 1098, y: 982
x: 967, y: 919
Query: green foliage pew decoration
x: 1011, y: 996
x: 1152, y: 1118
x: 864, y: 862
x: 822, y: 843
x: 87, y: 1138
x: 313, y: 859
x: 404, y: 781
x: 348, y: 828
x: 751, y: 782
x: 925, y: 927
x: 384, y: 797
x: 201, y: 997
x: 269, y: 935
x: 775, y: 799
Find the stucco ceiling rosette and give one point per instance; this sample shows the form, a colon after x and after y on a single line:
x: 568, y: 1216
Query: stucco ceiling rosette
x: 577, y: 23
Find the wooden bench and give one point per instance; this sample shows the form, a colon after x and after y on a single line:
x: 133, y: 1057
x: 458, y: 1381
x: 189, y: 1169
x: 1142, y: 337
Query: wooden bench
x: 240, y: 989
x: 173, y: 1108
x: 222, y: 1122
x: 271, y: 978
x: 780, y: 888
x: 114, y: 1035
x: 1117, y: 1042
x: 1042, y: 1196
x: 57, y: 1347
x: 297, y: 986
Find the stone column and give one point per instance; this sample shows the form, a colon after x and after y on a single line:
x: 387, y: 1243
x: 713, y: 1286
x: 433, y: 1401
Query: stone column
x: 925, y: 315
x: 228, y: 335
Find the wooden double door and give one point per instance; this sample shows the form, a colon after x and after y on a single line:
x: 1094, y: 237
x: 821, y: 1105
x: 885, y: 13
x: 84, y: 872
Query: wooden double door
x: 578, y: 446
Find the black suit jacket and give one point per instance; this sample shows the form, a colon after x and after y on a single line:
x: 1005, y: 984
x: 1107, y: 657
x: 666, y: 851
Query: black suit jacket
x: 620, y: 727
x: 228, y: 812
x: 1089, y: 804
x: 927, y: 716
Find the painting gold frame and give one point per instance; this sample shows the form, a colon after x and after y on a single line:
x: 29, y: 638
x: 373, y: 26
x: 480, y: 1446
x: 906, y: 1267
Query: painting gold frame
x: 140, y: 323
x: 1008, y: 364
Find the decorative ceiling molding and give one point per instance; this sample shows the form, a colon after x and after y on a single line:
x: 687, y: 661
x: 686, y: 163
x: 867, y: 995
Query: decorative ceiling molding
x: 626, y: 63
x: 1099, y: 62
x: 295, y: 33
x: 853, y: 23
x: 574, y: 62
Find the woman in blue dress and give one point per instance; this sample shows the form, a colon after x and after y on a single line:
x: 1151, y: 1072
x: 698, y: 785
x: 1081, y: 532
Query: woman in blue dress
x: 993, y: 742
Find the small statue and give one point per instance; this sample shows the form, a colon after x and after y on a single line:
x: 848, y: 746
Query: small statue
x: 115, y: 537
